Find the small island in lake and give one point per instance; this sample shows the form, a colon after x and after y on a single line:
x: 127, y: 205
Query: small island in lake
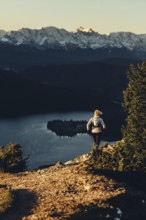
x: 67, y: 128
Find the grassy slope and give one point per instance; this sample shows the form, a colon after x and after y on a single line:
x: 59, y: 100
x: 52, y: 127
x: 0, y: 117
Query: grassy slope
x: 71, y: 192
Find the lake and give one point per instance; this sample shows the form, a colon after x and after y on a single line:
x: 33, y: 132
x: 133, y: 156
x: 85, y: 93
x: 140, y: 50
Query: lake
x: 40, y: 144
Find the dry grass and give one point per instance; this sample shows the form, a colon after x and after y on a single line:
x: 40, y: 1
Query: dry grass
x: 6, y: 199
x: 70, y: 191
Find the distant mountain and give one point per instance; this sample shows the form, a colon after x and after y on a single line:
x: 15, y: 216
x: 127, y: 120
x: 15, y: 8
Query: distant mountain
x: 51, y: 45
x: 2, y: 33
x: 52, y: 37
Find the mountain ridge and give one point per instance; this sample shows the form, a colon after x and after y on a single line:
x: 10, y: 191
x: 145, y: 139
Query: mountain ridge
x: 53, y: 37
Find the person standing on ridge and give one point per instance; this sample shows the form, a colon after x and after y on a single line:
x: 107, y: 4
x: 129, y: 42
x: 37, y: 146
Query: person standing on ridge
x: 96, y: 124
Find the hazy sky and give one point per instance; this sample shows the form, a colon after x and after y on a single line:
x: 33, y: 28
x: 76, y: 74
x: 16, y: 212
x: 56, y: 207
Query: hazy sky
x: 104, y: 16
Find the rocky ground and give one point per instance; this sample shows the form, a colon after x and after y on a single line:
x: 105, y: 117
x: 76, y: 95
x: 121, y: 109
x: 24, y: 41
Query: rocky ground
x: 70, y: 191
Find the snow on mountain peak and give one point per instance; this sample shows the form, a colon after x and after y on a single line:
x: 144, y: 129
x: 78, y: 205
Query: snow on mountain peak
x: 86, y: 30
x: 52, y: 37
x: 2, y: 33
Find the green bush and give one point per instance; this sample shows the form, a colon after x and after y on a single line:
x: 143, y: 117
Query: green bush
x: 119, y: 158
x: 11, y: 159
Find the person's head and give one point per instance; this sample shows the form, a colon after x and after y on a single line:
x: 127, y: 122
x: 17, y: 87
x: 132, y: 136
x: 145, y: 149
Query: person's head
x: 97, y: 112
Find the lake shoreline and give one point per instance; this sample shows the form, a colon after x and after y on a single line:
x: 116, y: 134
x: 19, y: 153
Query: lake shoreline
x: 40, y: 144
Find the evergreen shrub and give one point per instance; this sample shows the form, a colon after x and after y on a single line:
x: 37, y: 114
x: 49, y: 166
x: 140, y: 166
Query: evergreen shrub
x: 11, y: 159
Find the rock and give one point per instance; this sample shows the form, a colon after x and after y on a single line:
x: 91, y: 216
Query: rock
x: 59, y: 164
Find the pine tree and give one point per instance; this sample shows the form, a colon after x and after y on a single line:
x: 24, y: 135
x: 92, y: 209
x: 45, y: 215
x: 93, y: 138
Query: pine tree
x: 11, y: 158
x: 134, y: 132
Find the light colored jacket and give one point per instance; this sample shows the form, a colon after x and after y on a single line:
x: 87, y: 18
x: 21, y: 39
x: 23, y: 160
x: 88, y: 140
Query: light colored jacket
x: 97, y: 122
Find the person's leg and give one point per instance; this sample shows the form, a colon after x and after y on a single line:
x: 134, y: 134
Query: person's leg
x: 98, y: 138
x: 94, y: 137
x: 95, y: 144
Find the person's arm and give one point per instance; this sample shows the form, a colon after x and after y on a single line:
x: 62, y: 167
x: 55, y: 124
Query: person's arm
x: 88, y: 124
x: 102, y: 123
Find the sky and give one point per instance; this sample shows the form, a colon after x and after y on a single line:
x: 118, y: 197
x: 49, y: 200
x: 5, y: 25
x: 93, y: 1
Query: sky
x: 103, y: 16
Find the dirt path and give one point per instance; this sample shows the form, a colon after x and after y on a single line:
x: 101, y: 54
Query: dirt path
x: 57, y: 192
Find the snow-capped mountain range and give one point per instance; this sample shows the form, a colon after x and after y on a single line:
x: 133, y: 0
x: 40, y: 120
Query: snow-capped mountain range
x: 52, y: 37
